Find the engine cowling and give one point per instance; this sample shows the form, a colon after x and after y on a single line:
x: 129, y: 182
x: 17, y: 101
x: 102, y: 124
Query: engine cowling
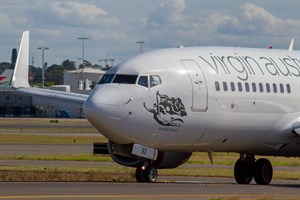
x: 121, y: 154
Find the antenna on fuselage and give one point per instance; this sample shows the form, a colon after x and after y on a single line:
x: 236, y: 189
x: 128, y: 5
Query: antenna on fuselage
x: 291, y: 45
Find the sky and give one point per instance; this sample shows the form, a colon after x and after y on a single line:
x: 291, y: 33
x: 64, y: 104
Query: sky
x: 114, y: 26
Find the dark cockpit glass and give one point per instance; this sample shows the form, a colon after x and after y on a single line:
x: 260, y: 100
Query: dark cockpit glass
x: 106, y: 78
x: 125, y: 79
x: 118, y: 78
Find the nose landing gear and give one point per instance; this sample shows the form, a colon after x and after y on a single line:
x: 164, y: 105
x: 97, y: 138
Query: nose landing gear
x: 146, y: 173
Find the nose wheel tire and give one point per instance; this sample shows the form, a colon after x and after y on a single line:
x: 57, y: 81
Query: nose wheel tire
x: 149, y: 174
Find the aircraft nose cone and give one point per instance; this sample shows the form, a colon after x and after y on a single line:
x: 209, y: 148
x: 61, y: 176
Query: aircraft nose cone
x: 103, y: 108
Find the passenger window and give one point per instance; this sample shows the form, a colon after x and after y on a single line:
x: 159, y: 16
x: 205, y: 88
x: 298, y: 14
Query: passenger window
x: 154, y: 80
x: 247, y: 87
x: 217, y: 85
x: 261, y: 87
x: 125, y: 79
x: 268, y: 88
x: 232, y: 86
x: 254, y: 87
x: 288, y: 88
x: 281, y: 88
x: 240, y: 87
x: 274, y: 88
x: 143, y: 81
x: 225, y: 87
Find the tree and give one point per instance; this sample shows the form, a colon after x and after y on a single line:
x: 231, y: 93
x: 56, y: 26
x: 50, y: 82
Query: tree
x: 69, y: 65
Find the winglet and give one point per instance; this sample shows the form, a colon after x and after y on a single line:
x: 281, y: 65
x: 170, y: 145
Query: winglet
x: 291, y: 45
x: 20, y: 75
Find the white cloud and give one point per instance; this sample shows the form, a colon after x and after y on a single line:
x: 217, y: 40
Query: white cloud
x: 71, y: 13
x: 168, y: 13
x: 254, y: 20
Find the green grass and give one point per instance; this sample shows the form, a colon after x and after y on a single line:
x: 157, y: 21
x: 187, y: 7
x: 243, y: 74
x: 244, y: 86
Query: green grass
x: 61, y: 157
x: 48, y: 139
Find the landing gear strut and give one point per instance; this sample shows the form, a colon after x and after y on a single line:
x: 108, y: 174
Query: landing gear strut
x: 146, y: 173
x: 246, y: 168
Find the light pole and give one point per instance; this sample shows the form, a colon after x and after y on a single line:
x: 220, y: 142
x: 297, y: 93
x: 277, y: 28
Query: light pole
x: 43, y: 64
x: 83, y: 38
x: 141, y: 42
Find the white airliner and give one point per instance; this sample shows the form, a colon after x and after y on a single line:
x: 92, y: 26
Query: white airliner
x: 5, y: 77
x: 159, y: 107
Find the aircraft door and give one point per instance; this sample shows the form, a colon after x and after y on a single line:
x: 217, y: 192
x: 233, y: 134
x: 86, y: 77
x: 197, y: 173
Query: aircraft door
x: 199, y: 87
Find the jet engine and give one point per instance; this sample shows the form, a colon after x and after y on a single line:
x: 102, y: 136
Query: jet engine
x: 121, y: 154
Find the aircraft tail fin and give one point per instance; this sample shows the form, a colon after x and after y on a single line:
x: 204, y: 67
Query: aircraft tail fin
x: 291, y: 45
x: 20, y: 75
x: 5, y: 77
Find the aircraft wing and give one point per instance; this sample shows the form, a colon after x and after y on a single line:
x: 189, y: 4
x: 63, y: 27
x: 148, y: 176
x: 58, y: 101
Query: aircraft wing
x: 20, y: 79
x: 53, y: 94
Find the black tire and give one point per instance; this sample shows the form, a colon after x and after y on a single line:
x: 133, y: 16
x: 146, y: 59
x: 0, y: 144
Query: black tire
x: 140, y: 175
x: 263, y: 173
x: 243, y: 172
x: 151, y: 175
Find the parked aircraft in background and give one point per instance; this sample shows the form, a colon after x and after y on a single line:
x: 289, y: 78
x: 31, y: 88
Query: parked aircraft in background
x: 159, y: 107
x: 5, y: 77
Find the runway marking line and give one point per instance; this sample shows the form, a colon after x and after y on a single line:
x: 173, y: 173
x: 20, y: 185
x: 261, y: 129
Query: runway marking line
x: 147, y: 196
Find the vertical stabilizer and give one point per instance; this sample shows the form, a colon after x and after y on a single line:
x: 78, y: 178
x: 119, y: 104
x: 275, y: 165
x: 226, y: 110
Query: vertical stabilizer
x: 20, y: 75
x: 291, y: 45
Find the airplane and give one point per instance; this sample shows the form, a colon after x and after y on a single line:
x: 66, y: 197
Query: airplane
x: 159, y: 107
x: 5, y: 77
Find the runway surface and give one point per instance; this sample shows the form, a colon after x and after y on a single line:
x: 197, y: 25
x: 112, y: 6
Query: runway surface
x: 166, y: 188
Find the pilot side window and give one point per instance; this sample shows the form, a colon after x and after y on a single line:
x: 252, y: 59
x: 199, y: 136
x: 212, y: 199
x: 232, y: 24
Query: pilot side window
x: 125, y: 79
x: 143, y: 81
x: 154, y: 80
x: 106, y: 78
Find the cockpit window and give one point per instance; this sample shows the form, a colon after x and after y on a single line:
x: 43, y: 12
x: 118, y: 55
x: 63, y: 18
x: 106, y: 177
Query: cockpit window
x: 143, y: 81
x: 106, y: 78
x: 125, y: 79
x: 154, y: 80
